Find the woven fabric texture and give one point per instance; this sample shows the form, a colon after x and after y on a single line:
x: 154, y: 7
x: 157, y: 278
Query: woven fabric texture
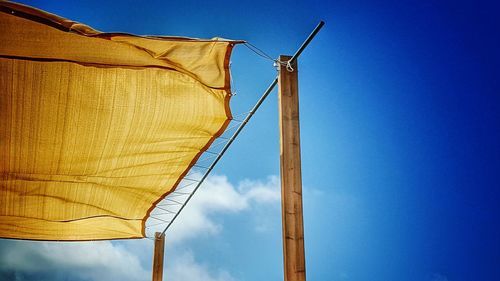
x: 96, y: 128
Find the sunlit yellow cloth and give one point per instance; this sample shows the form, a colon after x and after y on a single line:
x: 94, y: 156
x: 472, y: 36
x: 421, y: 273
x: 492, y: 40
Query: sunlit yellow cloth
x: 95, y: 128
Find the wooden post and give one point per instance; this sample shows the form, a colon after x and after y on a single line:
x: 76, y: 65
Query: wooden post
x: 158, y: 257
x: 291, y: 179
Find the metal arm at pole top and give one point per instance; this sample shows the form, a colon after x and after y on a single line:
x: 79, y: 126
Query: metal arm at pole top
x: 307, y: 41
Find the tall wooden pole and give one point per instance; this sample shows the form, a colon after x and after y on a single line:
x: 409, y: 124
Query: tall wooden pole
x: 158, y: 256
x: 291, y: 179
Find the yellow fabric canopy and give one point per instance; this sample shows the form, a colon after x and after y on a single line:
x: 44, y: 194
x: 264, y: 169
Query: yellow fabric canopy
x: 96, y: 128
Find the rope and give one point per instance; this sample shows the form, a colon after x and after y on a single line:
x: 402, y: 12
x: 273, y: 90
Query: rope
x: 263, y: 54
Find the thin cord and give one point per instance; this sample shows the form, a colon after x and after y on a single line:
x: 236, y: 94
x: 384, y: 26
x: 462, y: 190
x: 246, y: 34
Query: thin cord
x: 224, y: 149
x: 258, y: 51
x: 263, y: 54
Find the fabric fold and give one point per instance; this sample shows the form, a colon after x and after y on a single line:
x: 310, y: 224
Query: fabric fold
x: 96, y: 128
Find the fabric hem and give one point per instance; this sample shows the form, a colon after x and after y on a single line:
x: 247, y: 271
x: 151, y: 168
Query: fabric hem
x: 227, y: 87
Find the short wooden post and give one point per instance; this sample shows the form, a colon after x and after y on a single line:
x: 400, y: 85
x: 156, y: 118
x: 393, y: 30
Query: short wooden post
x: 291, y: 179
x: 158, y: 257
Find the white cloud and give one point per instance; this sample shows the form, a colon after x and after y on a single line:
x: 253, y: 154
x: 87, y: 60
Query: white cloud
x: 94, y: 261
x: 261, y: 192
x: 218, y: 196
x: 101, y: 260
x: 185, y: 268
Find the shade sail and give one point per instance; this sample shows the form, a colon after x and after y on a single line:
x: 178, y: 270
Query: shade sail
x: 96, y: 128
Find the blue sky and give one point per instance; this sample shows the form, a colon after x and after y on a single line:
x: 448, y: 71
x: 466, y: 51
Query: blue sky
x: 400, y: 132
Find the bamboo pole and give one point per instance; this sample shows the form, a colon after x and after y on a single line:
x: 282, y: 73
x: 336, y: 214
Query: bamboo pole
x: 291, y: 179
x: 158, y: 256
